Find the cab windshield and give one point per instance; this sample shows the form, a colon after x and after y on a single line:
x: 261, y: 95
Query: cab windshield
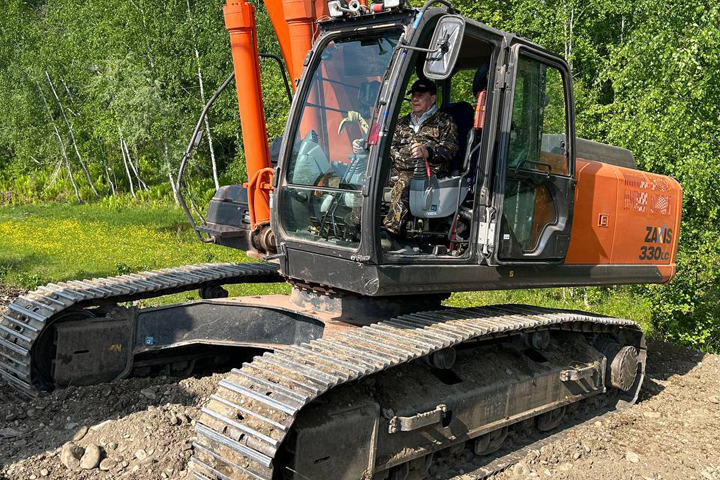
x: 326, y: 172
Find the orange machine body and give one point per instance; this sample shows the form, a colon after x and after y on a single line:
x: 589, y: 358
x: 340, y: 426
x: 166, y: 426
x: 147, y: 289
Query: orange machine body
x: 294, y: 22
x: 624, y: 216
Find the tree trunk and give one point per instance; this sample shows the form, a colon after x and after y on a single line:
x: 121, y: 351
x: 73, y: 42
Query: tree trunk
x: 137, y: 167
x: 63, y: 150
x: 125, y: 163
x: 72, y: 135
x: 170, y: 176
x: 565, y: 30
x: 172, y: 185
x: 56, y: 172
x: 107, y: 175
x: 115, y: 180
x: 202, y: 97
x: 67, y: 164
x: 107, y: 169
x: 67, y: 90
x: 141, y: 183
x: 572, y: 26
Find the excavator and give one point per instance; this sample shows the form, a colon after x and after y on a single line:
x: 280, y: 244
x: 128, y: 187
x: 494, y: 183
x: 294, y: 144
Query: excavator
x: 362, y: 372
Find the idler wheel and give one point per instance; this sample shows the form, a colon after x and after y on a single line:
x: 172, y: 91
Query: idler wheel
x: 623, y: 368
x: 622, y: 364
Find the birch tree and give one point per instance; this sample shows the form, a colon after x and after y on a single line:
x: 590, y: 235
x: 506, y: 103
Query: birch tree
x: 125, y: 164
x: 63, y: 150
x: 72, y: 135
x: 208, y: 133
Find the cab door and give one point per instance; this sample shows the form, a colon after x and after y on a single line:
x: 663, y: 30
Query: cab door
x: 534, y: 183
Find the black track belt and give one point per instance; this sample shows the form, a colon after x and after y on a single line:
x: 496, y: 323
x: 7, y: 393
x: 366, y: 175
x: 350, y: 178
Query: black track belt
x: 29, y: 314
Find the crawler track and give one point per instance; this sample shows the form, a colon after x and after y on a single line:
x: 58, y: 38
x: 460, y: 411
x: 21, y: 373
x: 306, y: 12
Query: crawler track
x: 243, y: 427
x: 29, y: 315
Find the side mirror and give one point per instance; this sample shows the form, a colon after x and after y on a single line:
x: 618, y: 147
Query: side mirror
x: 444, y: 47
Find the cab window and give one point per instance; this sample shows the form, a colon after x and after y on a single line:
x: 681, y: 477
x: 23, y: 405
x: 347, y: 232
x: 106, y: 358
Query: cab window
x: 537, y: 137
x: 537, y: 165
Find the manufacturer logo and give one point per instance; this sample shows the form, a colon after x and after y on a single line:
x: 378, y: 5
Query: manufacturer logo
x: 658, y: 234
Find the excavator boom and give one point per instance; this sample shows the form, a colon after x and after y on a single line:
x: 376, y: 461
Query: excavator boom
x: 294, y: 22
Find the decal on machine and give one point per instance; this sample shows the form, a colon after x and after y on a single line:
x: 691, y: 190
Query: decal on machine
x: 657, y: 237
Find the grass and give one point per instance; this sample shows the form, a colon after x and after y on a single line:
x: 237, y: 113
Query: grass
x: 52, y: 243
x: 614, y: 301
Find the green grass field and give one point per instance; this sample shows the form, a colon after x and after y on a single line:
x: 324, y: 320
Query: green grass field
x: 51, y: 243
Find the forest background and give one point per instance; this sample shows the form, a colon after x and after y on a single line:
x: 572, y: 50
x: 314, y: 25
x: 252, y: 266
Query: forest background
x: 98, y: 100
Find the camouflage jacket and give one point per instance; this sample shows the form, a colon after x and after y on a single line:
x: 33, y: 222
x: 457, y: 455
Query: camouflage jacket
x: 439, y: 135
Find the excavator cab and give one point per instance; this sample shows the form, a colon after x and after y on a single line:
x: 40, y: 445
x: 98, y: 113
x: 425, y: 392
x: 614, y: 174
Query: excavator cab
x: 326, y: 159
x: 508, y: 199
x: 500, y: 218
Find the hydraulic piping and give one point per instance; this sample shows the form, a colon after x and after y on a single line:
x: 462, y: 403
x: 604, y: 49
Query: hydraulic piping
x: 197, y: 134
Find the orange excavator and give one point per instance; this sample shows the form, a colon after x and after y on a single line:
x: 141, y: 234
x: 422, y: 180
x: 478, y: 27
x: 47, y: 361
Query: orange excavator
x: 361, y: 372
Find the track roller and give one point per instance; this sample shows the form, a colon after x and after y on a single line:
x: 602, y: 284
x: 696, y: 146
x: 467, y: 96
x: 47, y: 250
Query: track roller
x: 490, y: 442
x: 215, y: 291
x: 443, y: 360
x: 539, y: 339
x: 549, y: 420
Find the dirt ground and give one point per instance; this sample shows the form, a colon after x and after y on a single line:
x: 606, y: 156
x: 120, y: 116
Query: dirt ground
x: 143, y: 429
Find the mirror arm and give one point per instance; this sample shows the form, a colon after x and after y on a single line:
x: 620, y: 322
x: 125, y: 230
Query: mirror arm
x: 424, y: 9
x: 418, y: 49
x: 427, y: 5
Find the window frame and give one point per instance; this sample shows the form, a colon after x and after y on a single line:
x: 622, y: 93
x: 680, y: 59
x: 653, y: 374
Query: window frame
x: 540, y: 121
x: 292, y: 125
x: 562, y: 226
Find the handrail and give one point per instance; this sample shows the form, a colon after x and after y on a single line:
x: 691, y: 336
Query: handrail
x: 282, y: 72
x: 197, y: 137
x: 192, y: 145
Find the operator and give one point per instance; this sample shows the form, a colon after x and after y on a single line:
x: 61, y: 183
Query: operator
x: 425, y: 133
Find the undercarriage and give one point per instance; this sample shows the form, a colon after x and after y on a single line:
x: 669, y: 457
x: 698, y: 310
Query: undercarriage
x: 334, y: 385
x: 380, y: 401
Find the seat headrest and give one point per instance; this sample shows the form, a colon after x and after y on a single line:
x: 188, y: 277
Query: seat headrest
x: 480, y: 81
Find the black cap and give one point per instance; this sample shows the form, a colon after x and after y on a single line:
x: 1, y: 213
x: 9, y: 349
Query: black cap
x: 422, y: 86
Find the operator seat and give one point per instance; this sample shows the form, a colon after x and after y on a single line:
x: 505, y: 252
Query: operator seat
x: 462, y: 113
x: 439, y: 197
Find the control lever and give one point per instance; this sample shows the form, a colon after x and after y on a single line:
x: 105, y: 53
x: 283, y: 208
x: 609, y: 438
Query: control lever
x: 422, y: 172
